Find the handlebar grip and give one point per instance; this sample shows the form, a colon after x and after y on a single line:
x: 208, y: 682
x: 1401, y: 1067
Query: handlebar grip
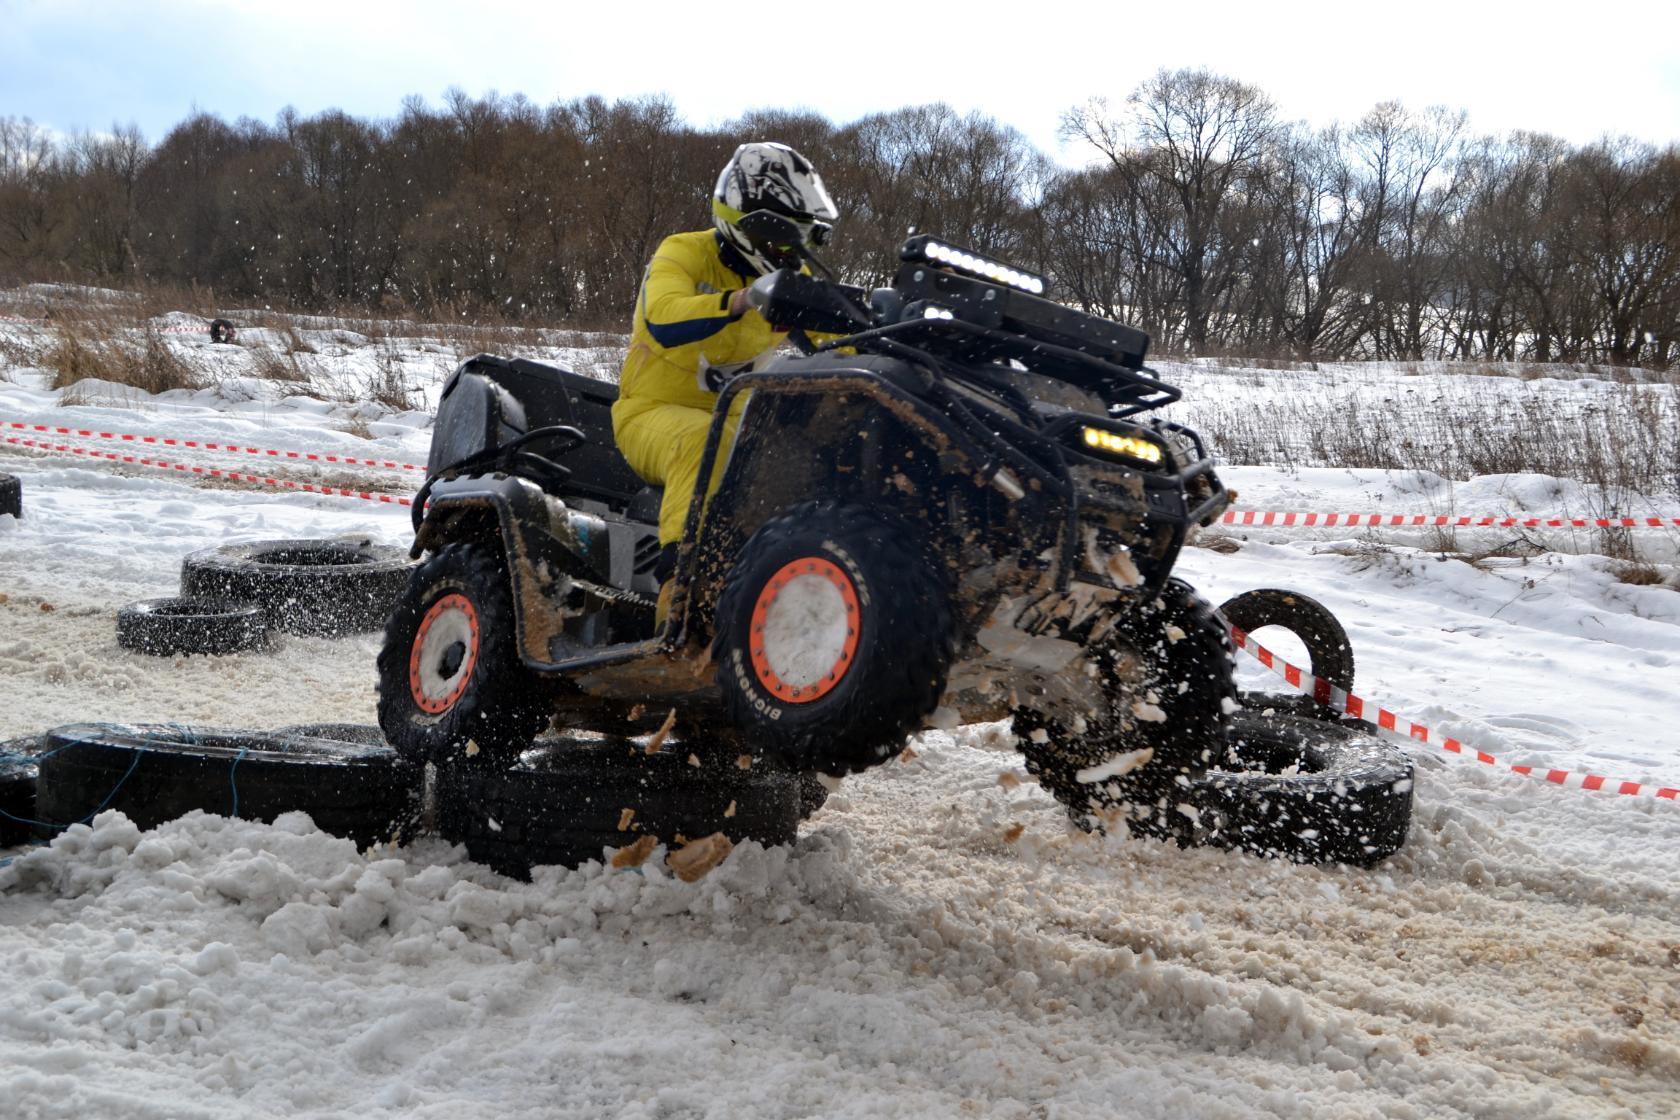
x: 759, y: 294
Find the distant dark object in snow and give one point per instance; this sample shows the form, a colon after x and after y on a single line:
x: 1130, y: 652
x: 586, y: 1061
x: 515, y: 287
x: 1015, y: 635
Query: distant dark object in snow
x: 155, y: 773
x: 328, y: 587
x: 566, y: 801
x: 222, y: 331
x: 11, y: 495
x: 1305, y: 790
x: 1329, y: 652
x: 166, y: 627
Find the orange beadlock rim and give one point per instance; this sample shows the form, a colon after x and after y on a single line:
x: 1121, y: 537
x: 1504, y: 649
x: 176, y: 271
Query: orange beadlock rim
x: 454, y: 601
x: 782, y: 690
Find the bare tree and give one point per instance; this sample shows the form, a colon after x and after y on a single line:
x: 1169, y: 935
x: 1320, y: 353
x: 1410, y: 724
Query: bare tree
x: 1413, y: 186
x: 1203, y: 139
x: 1201, y: 217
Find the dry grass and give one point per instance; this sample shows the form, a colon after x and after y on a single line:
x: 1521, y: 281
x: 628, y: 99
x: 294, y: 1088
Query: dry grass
x: 278, y: 363
x: 1519, y: 549
x: 24, y: 352
x: 390, y: 384
x: 1520, y: 370
x: 1639, y: 574
x: 294, y: 342
x: 157, y: 301
x: 1624, y: 439
x: 101, y: 348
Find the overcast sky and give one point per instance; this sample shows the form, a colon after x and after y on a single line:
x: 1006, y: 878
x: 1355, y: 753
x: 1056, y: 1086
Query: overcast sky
x: 1578, y: 70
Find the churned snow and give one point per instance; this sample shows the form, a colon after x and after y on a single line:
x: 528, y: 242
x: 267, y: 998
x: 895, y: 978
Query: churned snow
x: 938, y: 942
x: 1123, y: 763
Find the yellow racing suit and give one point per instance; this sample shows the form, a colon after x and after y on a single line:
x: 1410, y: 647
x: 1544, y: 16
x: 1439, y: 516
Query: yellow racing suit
x: 684, y: 347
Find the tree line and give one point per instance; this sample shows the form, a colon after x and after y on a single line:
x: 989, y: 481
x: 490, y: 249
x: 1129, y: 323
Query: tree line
x: 1200, y: 215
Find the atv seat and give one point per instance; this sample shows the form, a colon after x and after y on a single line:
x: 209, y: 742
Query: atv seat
x: 551, y: 395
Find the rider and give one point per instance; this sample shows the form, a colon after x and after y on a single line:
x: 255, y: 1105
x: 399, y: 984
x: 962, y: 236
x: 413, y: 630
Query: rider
x: 693, y: 329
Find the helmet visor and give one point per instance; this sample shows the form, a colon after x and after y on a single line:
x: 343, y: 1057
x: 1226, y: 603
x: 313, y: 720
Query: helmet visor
x: 776, y: 237
x: 781, y: 249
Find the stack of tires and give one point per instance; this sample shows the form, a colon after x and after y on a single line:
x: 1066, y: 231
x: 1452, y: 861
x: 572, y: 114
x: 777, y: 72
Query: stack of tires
x: 156, y: 773
x: 236, y: 597
x: 1298, y: 781
x: 565, y: 801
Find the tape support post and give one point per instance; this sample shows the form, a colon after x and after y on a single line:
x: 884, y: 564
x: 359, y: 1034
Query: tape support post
x: 1340, y: 700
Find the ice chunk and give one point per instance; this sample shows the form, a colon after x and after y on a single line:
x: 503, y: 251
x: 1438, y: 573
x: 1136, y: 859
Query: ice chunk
x: 1116, y: 766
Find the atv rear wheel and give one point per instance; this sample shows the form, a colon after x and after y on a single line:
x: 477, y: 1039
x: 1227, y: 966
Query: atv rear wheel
x: 834, y: 638
x: 451, y: 684
x: 1166, y: 671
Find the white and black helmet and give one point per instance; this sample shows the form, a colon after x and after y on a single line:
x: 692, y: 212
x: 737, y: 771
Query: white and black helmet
x: 767, y: 176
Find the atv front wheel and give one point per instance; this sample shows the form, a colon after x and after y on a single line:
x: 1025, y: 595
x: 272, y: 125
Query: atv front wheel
x: 1166, y: 673
x: 451, y: 685
x: 834, y: 638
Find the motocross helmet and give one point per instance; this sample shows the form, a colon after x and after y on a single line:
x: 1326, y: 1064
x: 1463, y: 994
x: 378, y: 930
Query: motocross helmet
x: 767, y: 176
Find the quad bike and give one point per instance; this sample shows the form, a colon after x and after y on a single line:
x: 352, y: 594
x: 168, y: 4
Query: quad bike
x: 956, y: 511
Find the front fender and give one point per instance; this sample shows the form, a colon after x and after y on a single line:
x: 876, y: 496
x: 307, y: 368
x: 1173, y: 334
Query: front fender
x: 543, y: 540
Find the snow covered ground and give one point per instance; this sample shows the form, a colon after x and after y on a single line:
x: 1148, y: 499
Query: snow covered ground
x: 916, y: 953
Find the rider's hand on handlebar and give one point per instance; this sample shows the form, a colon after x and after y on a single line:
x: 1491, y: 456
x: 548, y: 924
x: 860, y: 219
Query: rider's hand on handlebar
x: 738, y: 303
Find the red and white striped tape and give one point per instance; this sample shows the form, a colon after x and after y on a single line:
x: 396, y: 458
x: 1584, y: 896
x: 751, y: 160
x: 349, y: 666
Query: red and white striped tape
x: 206, y: 445
x: 1339, y: 700
x: 189, y: 468
x: 1287, y: 520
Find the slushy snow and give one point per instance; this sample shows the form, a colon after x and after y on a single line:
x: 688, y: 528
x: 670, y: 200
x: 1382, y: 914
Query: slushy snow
x: 938, y: 943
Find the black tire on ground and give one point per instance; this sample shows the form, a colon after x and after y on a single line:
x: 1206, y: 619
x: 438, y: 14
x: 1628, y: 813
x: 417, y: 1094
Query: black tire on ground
x: 327, y: 587
x: 1172, y: 654
x: 834, y: 637
x: 365, y: 734
x: 165, y: 627
x: 565, y: 802
x: 11, y: 495
x: 452, y: 688
x: 699, y: 734
x: 1307, y: 791
x: 157, y: 773
x: 1329, y: 652
x: 19, y: 766
x: 222, y: 331
x: 813, y: 793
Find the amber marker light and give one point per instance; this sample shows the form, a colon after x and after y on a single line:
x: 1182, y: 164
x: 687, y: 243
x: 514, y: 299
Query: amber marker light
x: 1130, y: 446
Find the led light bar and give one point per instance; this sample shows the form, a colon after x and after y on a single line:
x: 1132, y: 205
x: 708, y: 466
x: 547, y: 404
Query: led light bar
x: 1130, y: 446
x: 940, y: 254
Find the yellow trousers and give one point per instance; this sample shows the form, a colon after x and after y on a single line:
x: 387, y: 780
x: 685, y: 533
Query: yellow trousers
x: 663, y: 443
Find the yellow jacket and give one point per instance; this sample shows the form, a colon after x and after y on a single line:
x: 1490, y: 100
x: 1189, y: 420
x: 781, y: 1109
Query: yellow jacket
x: 684, y: 345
